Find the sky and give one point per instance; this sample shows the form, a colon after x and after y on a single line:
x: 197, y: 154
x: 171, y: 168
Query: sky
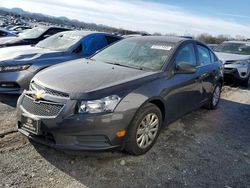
x: 182, y: 17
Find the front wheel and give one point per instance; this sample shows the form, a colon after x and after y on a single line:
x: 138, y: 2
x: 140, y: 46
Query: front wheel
x: 246, y: 82
x: 144, y: 130
x: 215, y: 98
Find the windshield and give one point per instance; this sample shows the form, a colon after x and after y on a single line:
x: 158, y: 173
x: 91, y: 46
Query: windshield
x: 59, y: 42
x: 234, y: 48
x: 33, y: 33
x: 139, y: 54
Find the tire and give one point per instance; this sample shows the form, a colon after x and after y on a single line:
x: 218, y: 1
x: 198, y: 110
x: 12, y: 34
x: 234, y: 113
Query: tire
x: 215, y: 98
x: 140, y: 129
x: 246, y: 82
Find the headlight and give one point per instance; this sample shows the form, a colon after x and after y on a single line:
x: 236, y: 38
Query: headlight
x: 13, y: 68
x: 106, y: 104
x: 243, y: 62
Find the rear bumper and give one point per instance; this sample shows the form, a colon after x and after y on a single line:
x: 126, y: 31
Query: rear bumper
x: 15, y: 82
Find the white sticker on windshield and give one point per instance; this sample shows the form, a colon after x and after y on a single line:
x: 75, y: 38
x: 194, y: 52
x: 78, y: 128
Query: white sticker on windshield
x: 161, y: 47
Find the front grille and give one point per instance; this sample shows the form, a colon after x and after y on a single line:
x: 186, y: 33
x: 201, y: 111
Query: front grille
x: 35, y: 86
x: 228, y: 68
x: 41, y: 108
x: 229, y: 62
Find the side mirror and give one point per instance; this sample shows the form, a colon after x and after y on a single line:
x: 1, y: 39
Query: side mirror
x: 185, y: 68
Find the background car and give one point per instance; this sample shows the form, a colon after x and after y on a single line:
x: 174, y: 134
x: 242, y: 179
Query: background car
x: 212, y: 46
x: 31, y: 36
x: 19, y: 64
x: 19, y: 29
x: 120, y: 97
x: 6, y: 33
x: 235, y: 56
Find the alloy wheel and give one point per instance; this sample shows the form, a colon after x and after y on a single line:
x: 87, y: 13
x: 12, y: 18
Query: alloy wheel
x: 216, y: 95
x: 147, y: 130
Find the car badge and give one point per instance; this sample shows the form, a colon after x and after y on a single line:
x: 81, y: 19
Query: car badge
x: 40, y: 94
x: 30, y: 121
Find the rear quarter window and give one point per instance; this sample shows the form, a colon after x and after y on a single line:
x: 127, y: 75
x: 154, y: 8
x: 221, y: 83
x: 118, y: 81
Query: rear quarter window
x: 204, y: 55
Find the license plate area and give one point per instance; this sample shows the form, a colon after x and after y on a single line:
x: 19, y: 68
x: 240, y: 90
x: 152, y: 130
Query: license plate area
x: 30, y: 124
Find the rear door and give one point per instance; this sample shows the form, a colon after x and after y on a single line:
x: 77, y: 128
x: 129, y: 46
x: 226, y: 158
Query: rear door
x: 208, y: 70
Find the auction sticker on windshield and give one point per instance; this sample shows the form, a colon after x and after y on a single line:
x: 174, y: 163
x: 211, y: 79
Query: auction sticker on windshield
x: 161, y: 47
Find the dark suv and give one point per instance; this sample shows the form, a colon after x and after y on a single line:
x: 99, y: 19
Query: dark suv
x: 122, y: 96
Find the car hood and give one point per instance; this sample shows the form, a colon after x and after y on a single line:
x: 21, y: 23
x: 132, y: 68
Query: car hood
x: 85, y: 79
x: 231, y: 57
x: 10, y: 40
x: 24, y: 54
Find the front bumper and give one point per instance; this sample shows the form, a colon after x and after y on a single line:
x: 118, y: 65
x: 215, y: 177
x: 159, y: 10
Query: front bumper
x: 78, y: 131
x: 236, y: 73
x: 15, y: 82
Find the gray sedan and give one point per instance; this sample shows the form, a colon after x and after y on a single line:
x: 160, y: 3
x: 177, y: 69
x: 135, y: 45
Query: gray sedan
x: 122, y: 96
x: 19, y: 64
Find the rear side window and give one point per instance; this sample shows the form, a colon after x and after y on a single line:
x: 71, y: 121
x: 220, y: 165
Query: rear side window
x: 111, y: 39
x: 204, y: 55
x: 186, y: 54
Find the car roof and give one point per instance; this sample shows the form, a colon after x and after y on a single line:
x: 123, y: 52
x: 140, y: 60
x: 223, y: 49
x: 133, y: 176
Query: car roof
x: 84, y: 33
x: 166, y: 39
x: 238, y: 42
x: 53, y: 27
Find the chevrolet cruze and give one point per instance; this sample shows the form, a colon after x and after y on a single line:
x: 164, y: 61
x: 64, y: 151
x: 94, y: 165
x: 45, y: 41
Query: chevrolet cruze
x: 121, y: 97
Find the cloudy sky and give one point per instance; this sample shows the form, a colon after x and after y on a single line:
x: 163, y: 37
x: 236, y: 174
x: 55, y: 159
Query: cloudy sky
x: 165, y: 16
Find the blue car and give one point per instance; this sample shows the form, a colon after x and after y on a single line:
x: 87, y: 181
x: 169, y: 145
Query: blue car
x: 18, y: 64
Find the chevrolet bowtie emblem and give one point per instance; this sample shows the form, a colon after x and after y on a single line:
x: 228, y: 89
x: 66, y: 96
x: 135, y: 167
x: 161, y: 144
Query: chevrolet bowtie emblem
x: 40, y: 94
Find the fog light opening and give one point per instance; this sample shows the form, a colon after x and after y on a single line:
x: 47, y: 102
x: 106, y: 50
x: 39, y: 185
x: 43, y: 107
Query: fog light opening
x: 243, y: 74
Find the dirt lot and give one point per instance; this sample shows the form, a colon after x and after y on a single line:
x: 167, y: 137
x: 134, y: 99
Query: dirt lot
x: 203, y: 149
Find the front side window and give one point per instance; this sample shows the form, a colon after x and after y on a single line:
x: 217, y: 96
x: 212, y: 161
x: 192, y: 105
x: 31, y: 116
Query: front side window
x: 135, y: 53
x: 186, y: 55
x: 204, y: 55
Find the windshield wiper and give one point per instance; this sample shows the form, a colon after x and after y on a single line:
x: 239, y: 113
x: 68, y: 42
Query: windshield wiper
x: 122, y: 65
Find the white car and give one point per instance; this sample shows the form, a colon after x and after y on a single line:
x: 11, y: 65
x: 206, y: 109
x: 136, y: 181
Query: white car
x: 235, y: 56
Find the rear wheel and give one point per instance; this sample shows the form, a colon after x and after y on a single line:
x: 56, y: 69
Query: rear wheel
x: 144, y: 130
x: 215, y: 98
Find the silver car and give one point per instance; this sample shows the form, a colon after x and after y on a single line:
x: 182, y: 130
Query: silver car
x: 19, y: 64
x: 235, y: 56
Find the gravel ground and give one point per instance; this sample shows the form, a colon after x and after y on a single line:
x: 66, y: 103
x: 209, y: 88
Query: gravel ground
x: 202, y: 149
